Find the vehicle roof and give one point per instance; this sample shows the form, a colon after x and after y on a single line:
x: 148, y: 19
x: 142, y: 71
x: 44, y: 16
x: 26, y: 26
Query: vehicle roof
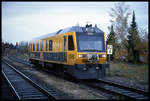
x: 70, y: 29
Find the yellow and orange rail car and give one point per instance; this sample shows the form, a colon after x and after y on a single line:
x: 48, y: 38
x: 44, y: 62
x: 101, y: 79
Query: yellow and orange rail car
x: 78, y: 51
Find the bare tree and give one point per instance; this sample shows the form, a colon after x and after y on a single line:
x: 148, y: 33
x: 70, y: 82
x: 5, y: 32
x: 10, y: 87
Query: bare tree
x: 120, y: 14
x: 143, y: 45
x: 143, y: 34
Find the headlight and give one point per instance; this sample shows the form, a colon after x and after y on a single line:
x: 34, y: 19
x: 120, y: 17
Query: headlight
x: 82, y: 55
x: 84, y: 68
x: 97, y: 67
x: 102, y: 55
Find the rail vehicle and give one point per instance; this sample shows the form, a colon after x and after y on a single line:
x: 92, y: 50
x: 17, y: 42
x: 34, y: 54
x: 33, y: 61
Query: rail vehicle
x: 79, y: 51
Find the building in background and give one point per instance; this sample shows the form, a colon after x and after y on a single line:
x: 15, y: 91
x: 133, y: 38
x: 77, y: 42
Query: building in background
x: 23, y: 43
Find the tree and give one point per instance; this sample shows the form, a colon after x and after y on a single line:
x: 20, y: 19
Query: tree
x: 111, y: 39
x: 119, y: 20
x: 133, y: 41
x: 143, y: 45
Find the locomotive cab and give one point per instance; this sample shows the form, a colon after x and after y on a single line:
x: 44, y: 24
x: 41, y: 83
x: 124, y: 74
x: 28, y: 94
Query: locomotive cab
x: 87, y: 53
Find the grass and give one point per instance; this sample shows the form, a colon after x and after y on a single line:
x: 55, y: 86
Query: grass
x: 137, y: 72
x: 20, y: 55
x: 23, y: 56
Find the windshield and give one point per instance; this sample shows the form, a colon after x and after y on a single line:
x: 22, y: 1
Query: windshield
x: 90, y: 43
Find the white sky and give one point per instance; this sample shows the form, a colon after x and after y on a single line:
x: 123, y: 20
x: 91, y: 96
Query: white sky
x: 26, y: 20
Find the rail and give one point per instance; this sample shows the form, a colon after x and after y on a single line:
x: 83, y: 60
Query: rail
x: 24, y: 87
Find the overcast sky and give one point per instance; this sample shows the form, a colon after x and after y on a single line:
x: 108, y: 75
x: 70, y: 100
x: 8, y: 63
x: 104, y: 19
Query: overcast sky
x: 26, y: 20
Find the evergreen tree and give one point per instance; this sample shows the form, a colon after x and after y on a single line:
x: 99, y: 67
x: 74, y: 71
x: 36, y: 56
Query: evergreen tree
x: 133, y: 40
x: 111, y: 40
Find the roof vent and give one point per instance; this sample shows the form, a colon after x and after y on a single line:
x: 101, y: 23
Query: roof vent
x: 86, y: 25
x: 90, y: 25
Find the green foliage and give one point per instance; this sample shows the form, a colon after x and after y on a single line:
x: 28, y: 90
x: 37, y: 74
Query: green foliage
x: 143, y: 45
x: 23, y: 56
x: 23, y: 49
x: 133, y: 40
x: 10, y: 51
x: 111, y: 40
x: 111, y: 37
x: 128, y: 42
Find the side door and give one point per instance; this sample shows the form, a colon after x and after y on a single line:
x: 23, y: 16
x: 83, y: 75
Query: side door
x: 70, y: 50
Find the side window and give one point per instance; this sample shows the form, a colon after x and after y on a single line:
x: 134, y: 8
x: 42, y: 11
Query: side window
x: 50, y: 45
x: 37, y: 46
x: 70, y: 43
x: 33, y: 46
x: 64, y: 43
x: 46, y: 45
x: 41, y: 45
x: 30, y: 46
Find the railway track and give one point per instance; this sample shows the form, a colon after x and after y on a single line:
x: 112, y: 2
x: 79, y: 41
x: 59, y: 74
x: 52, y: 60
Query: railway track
x: 112, y: 88
x: 6, y: 91
x: 22, y: 86
x: 117, y: 89
x: 19, y: 60
x: 129, y: 91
